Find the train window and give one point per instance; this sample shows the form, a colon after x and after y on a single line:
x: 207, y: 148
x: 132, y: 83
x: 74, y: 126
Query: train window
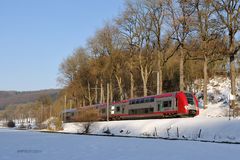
x: 146, y: 100
x: 190, y: 98
x: 146, y: 110
x: 141, y: 111
x: 117, y: 109
x: 167, y: 104
x: 142, y: 100
x: 159, y: 106
x: 131, y: 111
x: 152, y: 99
x: 137, y: 101
x: 122, y: 110
x: 130, y: 102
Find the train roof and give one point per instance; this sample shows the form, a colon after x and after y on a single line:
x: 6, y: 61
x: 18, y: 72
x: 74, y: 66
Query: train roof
x: 123, y: 101
x: 69, y: 110
x: 157, y: 96
x: 169, y: 94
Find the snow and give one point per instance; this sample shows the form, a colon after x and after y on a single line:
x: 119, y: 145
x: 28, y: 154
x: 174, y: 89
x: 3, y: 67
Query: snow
x: 26, y: 145
x: 199, y: 128
x: 212, y: 124
x: 185, y: 136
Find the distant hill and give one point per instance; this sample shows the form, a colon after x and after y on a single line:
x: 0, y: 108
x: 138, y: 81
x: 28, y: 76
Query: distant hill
x: 15, y: 97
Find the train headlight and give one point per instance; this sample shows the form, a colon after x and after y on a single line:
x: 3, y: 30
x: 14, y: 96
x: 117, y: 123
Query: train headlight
x: 112, y: 107
x: 186, y: 107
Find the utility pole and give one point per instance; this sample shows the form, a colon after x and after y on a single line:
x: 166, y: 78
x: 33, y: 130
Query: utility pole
x: 107, y: 101
x: 158, y: 83
x: 65, y: 107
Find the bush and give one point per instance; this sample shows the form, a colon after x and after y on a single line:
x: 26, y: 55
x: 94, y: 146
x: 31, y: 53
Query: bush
x: 55, y: 124
x: 88, y: 115
x: 22, y: 126
x: 11, y: 124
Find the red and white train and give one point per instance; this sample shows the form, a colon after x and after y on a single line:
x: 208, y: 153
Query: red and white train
x: 174, y: 104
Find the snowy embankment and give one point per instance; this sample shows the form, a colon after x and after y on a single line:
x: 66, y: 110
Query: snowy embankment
x: 212, y: 124
x: 198, y: 128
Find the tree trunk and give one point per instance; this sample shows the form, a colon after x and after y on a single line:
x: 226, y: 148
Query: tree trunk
x: 144, y: 74
x: 89, y: 95
x: 145, y: 88
x: 232, y: 69
x: 101, y: 92
x: 160, y: 74
x: 233, y: 79
x: 160, y: 80
x: 110, y: 91
x: 119, y: 82
x: 181, y: 70
x: 205, y: 82
x: 104, y: 101
x: 96, y: 92
x: 131, y: 82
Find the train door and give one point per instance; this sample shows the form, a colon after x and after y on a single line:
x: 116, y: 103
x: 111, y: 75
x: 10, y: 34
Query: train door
x: 159, y: 106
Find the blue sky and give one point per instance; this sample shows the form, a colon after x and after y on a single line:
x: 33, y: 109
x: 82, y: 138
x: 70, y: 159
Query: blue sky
x: 36, y: 36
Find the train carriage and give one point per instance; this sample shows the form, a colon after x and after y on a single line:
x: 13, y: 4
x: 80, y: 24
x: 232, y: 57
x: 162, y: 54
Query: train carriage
x: 164, y: 105
x: 174, y: 104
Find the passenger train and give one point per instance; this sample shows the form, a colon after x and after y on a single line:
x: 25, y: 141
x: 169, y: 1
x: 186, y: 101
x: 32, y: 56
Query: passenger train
x: 174, y: 104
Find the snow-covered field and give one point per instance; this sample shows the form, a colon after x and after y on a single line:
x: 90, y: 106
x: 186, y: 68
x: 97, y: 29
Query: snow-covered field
x: 27, y: 145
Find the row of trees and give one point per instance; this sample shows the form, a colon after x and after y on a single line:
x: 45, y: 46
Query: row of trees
x: 155, y: 46
x: 37, y: 111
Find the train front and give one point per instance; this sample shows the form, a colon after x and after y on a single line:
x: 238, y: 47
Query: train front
x: 187, y: 104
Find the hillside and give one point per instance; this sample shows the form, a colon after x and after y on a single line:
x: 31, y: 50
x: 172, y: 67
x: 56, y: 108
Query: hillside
x: 15, y: 97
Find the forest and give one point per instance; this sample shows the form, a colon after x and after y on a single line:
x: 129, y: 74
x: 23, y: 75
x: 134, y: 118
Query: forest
x: 155, y: 46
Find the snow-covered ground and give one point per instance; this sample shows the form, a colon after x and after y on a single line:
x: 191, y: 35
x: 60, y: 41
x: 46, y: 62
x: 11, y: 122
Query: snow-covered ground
x: 212, y: 124
x: 199, y: 128
x: 27, y: 145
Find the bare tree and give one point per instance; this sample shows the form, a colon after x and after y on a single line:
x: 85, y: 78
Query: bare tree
x: 181, y: 13
x: 144, y: 42
x: 71, y: 75
x: 209, y: 31
x: 107, y: 45
x: 127, y: 25
x: 228, y: 12
x: 161, y: 36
